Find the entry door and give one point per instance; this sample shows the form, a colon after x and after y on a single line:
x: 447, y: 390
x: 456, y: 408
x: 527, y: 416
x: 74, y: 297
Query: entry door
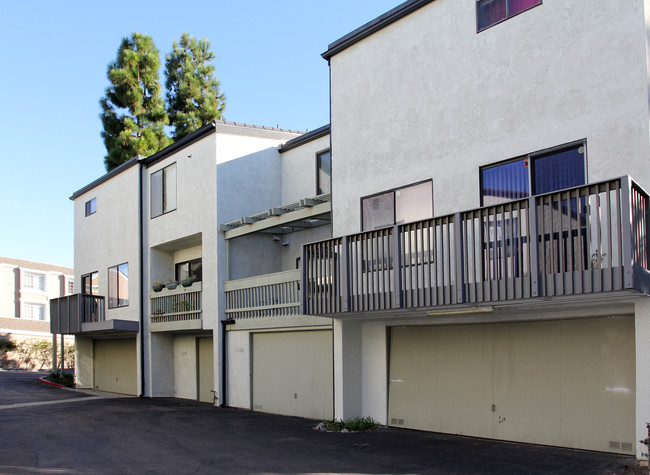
x: 205, y: 372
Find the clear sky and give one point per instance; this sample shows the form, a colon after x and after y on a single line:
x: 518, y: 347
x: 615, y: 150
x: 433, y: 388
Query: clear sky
x: 53, y: 73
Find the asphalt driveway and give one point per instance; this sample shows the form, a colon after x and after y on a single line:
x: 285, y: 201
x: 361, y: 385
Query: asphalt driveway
x: 73, y: 432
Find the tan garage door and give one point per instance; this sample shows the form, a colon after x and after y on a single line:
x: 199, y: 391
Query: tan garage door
x: 293, y: 373
x: 205, y: 369
x: 116, y: 366
x: 569, y: 383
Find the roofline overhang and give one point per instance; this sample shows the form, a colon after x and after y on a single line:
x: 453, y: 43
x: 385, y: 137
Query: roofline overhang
x: 374, y: 26
x: 305, y: 138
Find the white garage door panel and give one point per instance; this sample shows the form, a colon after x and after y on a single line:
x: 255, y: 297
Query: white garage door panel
x: 115, y: 366
x: 569, y: 383
x: 292, y: 373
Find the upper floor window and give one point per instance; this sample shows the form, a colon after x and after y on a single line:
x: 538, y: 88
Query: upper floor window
x: 118, y: 286
x: 33, y: 312
x: 491, y: 12
x: 90, y: 283
x: 91, y: 207
x: 189, y: 269
x: 163, y: 191
x: 324, y: 177
x: 534, y: 174
x: 402, y: 205
x: 70, y: 286
x: 34, y: 281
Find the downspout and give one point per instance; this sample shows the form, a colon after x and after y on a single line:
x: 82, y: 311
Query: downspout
x: 224, y: 367
x: 140, y: 262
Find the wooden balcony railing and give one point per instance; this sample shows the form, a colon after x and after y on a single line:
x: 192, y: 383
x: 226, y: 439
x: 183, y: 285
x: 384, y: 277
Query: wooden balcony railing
x: 269, y: 295
x: 182, y: 304
x: 69, y: 312
x: 592, y: 238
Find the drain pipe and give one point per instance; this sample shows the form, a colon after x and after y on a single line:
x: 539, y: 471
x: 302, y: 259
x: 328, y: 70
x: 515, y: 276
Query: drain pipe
x: 141, y: 259
x: 224, y: 366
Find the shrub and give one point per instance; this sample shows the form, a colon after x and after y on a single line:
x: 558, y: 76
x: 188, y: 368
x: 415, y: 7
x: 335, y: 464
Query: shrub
x: 356, y: 424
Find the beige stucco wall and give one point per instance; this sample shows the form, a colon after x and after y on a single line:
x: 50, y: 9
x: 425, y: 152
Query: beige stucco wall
x: 299, y: 169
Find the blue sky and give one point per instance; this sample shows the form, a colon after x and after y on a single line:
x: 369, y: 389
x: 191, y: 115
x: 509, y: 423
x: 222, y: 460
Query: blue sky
x: 53, y: 73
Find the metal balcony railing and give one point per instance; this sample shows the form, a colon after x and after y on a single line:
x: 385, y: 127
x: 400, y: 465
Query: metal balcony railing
x: 69, y: 312
x: 588, y: 239
x: 269, y: 295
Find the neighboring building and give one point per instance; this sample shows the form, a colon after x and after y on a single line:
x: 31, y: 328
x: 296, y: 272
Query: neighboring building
x: 462, y: 250
x: 26, y: 287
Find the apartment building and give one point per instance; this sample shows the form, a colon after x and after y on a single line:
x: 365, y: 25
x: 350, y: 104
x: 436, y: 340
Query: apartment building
x: 464, y: 249
x: 26, y: 288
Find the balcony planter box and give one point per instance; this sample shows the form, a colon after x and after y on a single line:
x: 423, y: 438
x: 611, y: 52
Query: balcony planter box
x: 187, y: 282
x: 172, y: 285
x: 158, y: 287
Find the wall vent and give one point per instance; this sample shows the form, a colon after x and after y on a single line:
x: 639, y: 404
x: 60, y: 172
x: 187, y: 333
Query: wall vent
x: 626, y: 446
x: 614, y: 445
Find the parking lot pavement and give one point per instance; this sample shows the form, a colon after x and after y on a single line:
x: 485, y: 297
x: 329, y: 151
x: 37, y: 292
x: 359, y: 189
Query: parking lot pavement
x: 23, y: 387
x: 132, y: 435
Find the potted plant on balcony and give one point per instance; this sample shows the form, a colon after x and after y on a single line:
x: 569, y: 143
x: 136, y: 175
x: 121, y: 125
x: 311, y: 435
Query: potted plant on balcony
x: 188, y: 281
x: 157, y: 286
x: 171, y: 285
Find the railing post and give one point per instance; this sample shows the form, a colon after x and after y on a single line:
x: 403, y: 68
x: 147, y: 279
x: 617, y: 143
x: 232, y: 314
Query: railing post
x: 533, y: 246
x: 303, y: 280
x: 626, y: 232
x: 345, y: 274
x: 397, y: 268
x: 459, y: 248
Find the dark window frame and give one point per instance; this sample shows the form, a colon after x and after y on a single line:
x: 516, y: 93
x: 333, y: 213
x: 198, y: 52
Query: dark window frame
x: 160, y: 201
x: 393, y: 191
x: 508, y: 14
x: 530, y: 159
x: 89, y: 278
x: 91, y: 207
x: 189, y: 263
x: 118, y: 301
x: 318, y: 171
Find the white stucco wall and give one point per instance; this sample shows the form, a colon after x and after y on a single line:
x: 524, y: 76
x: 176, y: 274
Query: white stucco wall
x: 428, y: 97
x: 299, y: 170
x: 239, y: 369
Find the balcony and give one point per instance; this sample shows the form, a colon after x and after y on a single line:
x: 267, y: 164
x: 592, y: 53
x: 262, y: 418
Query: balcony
x: 271, y: 295
x: 177, y: 309
x: 584, y: 240
x: 81, y: 314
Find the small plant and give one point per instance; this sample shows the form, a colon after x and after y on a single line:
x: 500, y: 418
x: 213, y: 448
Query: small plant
x: 66, y: 379
x: 356, y: 424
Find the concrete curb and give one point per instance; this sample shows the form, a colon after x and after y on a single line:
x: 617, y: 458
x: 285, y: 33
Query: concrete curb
x: 50, y: 383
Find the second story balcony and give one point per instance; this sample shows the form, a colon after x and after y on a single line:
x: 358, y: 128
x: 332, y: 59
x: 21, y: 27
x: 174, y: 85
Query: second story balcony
x: 590, y: 239
x: 85, y: 315
x: 270, y: 295
x: 176, y: 309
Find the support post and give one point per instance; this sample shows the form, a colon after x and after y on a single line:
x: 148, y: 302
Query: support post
x: 54, y: 350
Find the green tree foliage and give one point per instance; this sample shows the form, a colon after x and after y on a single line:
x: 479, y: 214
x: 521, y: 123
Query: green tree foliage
x: 193, y: 97
x: 133, y: 112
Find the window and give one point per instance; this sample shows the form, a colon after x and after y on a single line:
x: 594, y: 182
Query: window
x: 324, y: 177
x: 34, y: 281
x: 90, y: 283
x: 33, y: 312
x: 163, y: 191
x: 118, y: 286
x: 536, y: 173
x: 70, y: 286
x: 189, y: 268
x: 91, y: 206
x: 491, y: 12
x: 403, y: 205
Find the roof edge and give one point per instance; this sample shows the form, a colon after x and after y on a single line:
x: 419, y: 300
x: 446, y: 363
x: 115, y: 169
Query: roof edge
x: 305, y: 138
x: 373, y: 26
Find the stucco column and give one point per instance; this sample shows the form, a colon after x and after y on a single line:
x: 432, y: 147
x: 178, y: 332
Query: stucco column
x: 374, y: 371
x: 642, y: 334
x: 347, y: 369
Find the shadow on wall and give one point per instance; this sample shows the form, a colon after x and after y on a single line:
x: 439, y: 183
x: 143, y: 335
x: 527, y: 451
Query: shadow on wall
x: 30, y: 353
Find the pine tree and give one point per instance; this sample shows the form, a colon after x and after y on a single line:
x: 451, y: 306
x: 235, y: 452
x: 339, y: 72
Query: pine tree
x: 193, y: 97
x: 133, y: 111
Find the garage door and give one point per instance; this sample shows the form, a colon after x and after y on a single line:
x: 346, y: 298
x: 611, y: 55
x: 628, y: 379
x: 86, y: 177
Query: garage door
x: 206, y: 369
x: 569, y: 383
x: 293, y: 373
x: 115, y: 366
